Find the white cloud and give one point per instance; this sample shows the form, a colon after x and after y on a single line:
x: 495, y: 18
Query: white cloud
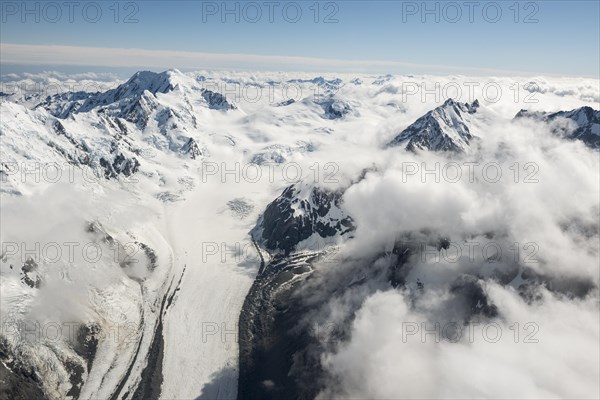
x: 378, y: 364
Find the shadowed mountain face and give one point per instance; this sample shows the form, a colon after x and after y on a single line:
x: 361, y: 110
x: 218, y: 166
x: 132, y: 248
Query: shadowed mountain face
x: 287, y: 327
x: 283, y: 328
x: 276, y: 359
x: 217, y: 101
x: 18, y: 380
x: 299, y: 213
x: 578, y: 124
x: 271, y: 346
x: 445, y: 128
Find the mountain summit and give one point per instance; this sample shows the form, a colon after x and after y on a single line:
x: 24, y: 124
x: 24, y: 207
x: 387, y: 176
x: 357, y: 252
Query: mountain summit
x: 445, y: 128
x: 579, y: 124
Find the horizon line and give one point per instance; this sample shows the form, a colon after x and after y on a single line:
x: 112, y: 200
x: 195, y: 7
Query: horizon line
x: 111, y: 57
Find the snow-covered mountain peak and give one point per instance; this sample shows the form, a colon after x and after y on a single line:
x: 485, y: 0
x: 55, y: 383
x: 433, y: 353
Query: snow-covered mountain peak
x: 465, y: 107
x: 142, y: 83
x: 151, y: 81
x: 582, y: 123
x: 445, y: 128
x: 114, y: 132
x: 171, y: 80
x: 142, y: 89
x: 303, y: 216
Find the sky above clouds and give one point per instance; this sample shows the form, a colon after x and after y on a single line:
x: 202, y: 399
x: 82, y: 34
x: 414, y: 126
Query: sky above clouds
x: 542, y: 37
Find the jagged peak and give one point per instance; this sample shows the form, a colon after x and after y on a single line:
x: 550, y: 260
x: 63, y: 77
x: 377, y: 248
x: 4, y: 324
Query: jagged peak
x: 449, y: 102
x: 217, y: 101
x: 445, y: 128
x: 586, y: 110
x: 581, y: 116
x: 470, y: 108
x: 585, y: 123
x: 304, y: 214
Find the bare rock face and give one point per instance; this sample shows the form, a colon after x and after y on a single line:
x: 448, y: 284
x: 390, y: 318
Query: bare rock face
x: 217, y: 101
x: 191, y: 149
x: 298, y: 213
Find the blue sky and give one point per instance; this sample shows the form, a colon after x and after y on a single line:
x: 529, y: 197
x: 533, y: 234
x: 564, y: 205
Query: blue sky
x: 543, y: 37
